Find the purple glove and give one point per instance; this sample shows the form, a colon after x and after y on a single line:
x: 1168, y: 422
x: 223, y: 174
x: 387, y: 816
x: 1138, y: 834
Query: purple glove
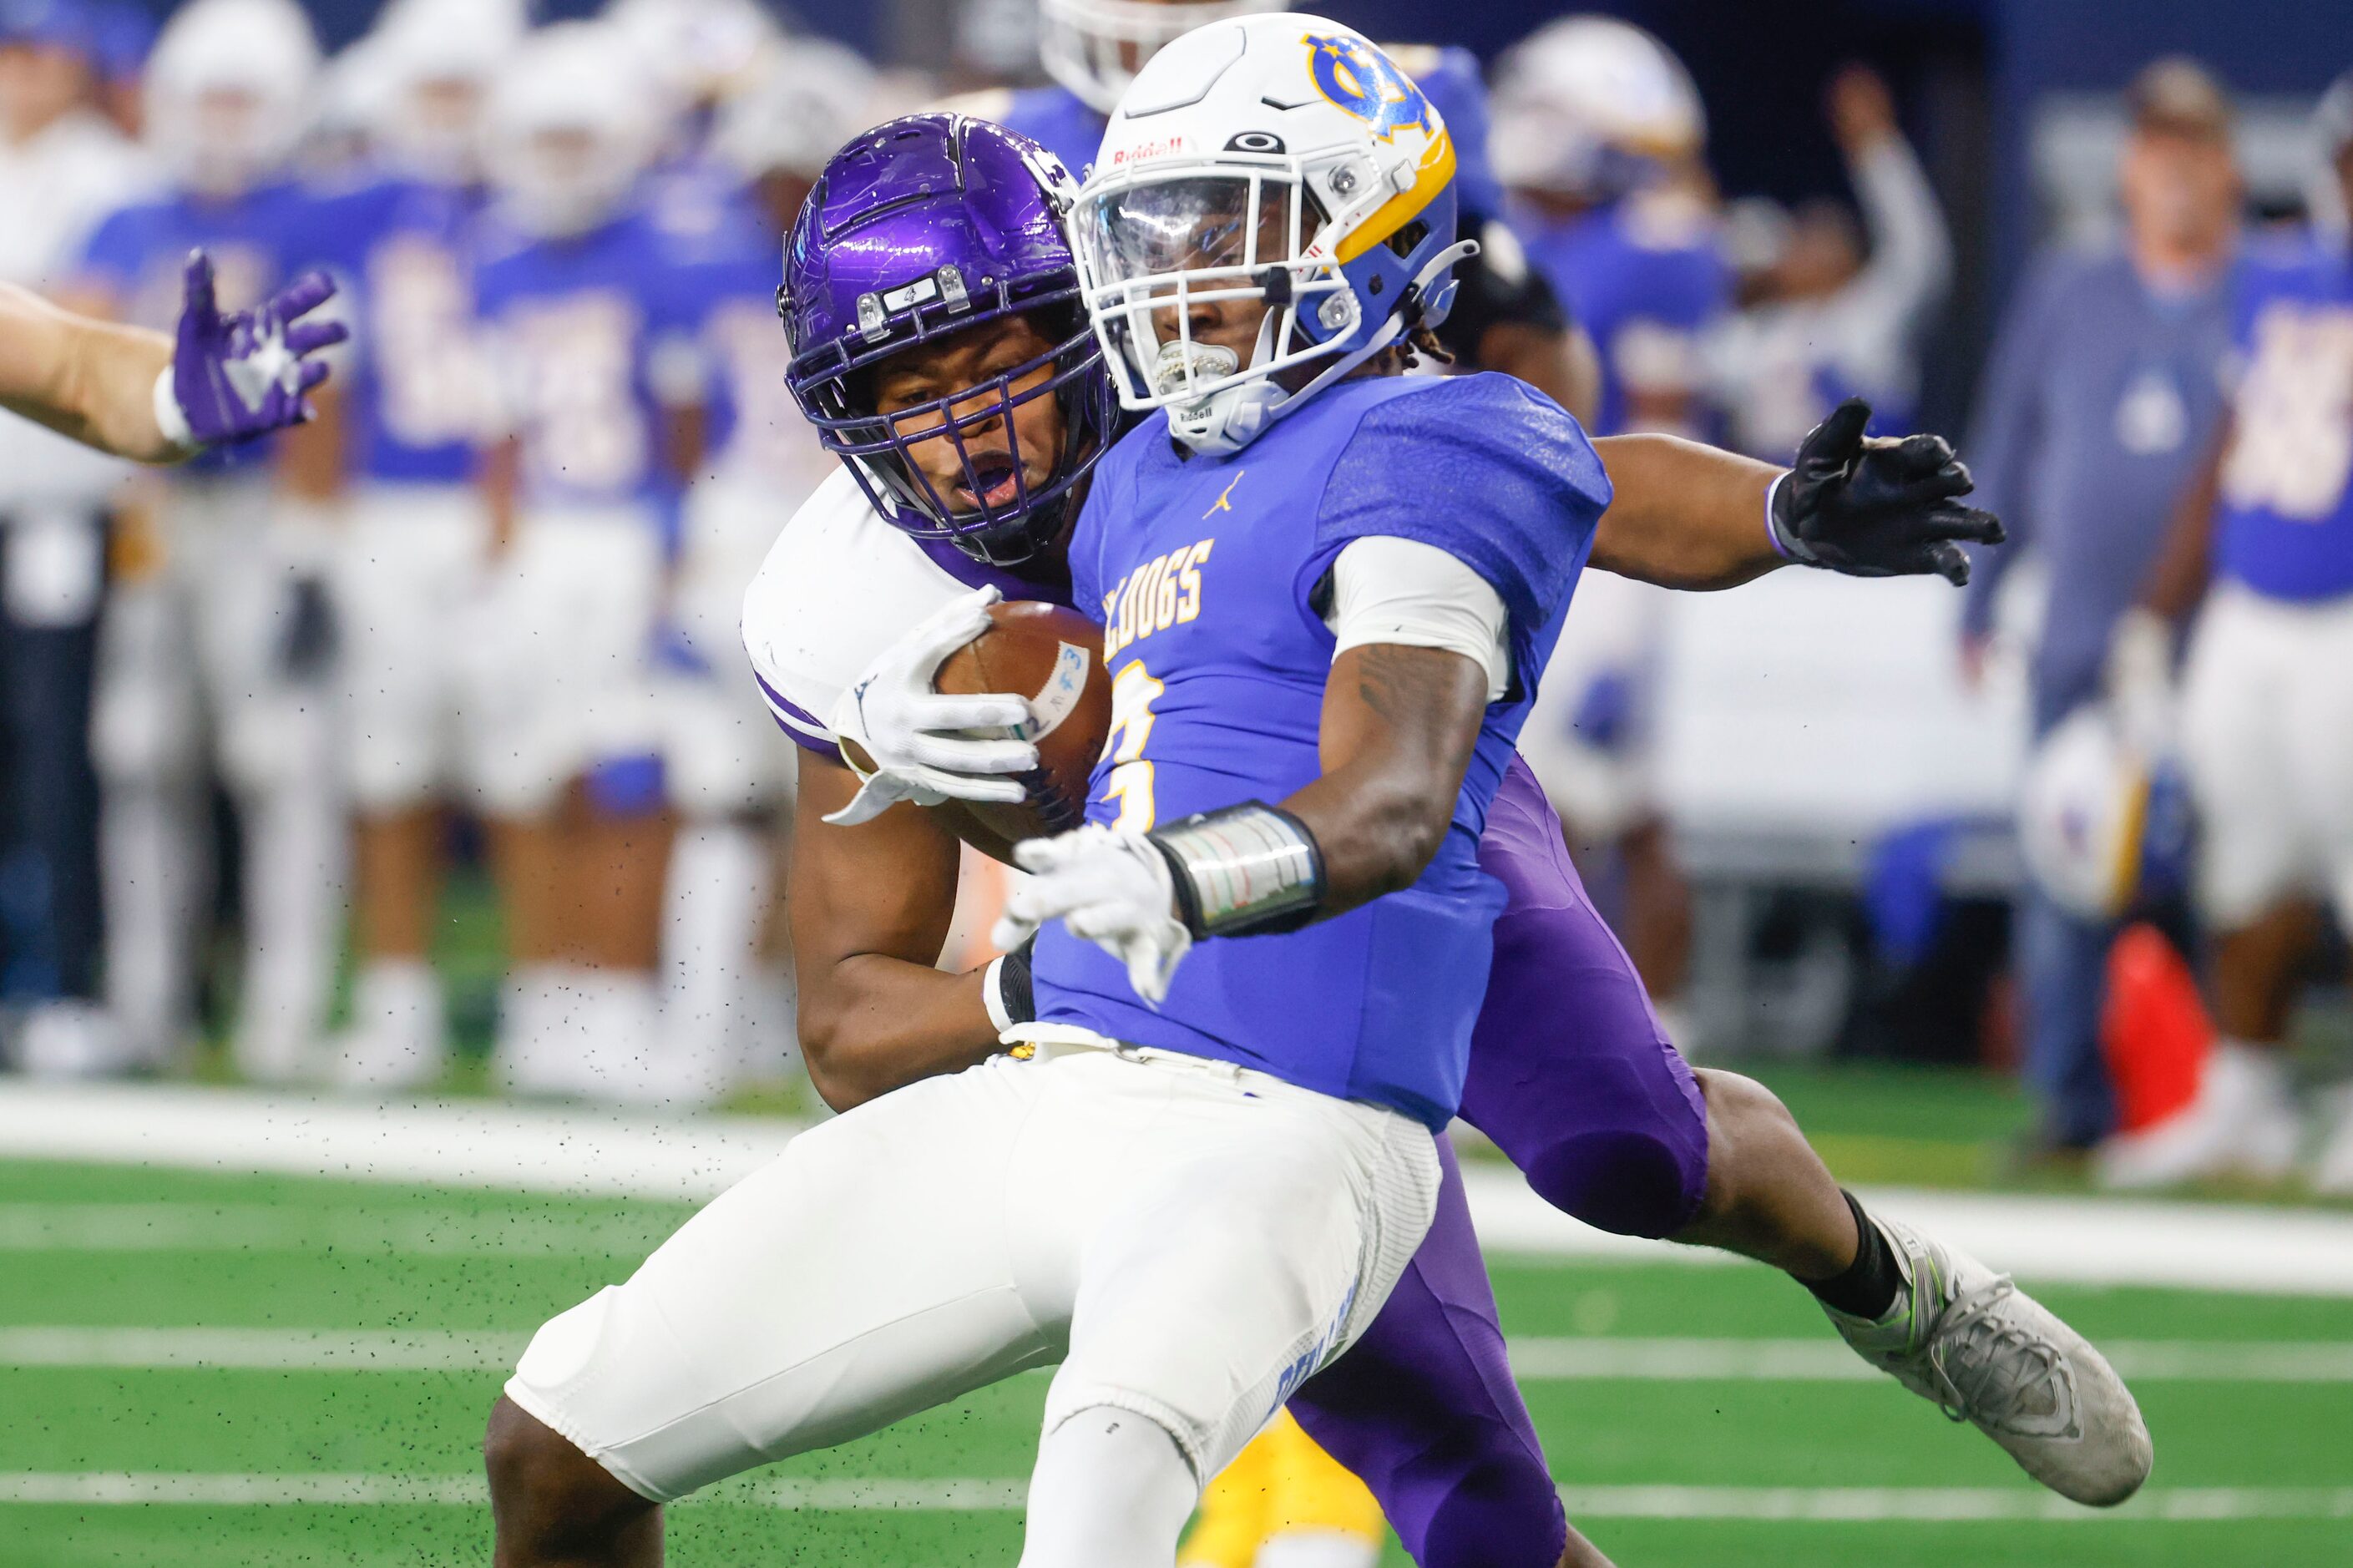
x: 241, y: 375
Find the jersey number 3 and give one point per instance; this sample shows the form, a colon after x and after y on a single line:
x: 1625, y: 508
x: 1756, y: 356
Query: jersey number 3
x: 1133, y: 693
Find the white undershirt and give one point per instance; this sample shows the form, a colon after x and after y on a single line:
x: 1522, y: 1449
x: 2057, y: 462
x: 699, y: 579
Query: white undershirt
x: 1390, y: 590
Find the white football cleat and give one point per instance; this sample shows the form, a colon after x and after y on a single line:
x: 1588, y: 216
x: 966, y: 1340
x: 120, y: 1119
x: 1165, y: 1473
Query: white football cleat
x: 398, y: 1041
x: 1986, y: 1353
x: 2244, y: 1123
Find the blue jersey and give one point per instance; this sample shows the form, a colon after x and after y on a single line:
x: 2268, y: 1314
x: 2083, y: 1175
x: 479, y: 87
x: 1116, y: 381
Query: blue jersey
x: 413, y: 394
x: 579, y: 327
x: 2284, y: 523
x: 1059, y: 120
x: 1644, y: 277
x: 1207, y: 572
x: 137, y: 257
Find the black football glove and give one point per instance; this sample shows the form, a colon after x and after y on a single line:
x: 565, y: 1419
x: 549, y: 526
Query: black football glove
x: 1878, y: 508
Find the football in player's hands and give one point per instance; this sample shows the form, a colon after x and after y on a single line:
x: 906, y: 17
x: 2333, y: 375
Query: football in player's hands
x: 1053, y: 657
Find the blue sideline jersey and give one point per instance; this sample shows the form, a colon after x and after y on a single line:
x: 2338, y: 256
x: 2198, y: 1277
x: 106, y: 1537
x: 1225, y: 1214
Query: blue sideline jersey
x: 2284, y: 523
x: 413, y: 389
x: 1059, y: 120
x: 580, y: 326
x: 136, y: 258
x: 1206, y: 572
x: 753, y: 428
x: 1644, y: 277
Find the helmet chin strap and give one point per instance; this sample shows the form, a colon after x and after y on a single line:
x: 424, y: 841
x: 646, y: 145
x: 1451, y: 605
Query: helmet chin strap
x: 1225, y: 421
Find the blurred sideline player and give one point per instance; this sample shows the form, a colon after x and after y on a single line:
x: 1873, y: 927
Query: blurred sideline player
x: 577, y: 292
x: 727, y: 1011
x: 2100, y: 401
x: 1598, y: 133
x: 1824, y: 319
x: 218, y: 643
x: 1506, y: 318
x: 2267, y: 702
x: 63, y: 167
x: 1597, y: 1125
x: 390, y: 466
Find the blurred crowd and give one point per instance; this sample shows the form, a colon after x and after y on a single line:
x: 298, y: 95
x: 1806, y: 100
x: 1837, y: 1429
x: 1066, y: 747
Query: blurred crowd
x: 485, y: 602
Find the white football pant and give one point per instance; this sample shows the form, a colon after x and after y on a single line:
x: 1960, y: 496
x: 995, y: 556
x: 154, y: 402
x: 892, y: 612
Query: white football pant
x: 1191, y: 1240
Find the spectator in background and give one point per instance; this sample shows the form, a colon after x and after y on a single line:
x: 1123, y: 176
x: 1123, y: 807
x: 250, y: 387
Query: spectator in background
x: 387, y: 466
x: 1824, y: 322
x: 63, y: 168
x: 216, y: 653
x: 2266, y: 718
x: 727, y: 1009
x: 126, y: 34
x: 2104, y: 390
x: 1598, y: 133
x: 579, y: 293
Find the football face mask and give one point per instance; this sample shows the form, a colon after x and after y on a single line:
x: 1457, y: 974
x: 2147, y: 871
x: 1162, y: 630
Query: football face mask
x: 1227, y: 285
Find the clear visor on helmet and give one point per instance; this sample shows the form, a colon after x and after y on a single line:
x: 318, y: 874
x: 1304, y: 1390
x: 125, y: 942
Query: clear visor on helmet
x: 1202, y: 280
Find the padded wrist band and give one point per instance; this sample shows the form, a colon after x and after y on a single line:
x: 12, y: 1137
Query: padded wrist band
x: 1249, y: 867
x: 1005, y: 989
x: 1774, y: 528
x: 170, y: 418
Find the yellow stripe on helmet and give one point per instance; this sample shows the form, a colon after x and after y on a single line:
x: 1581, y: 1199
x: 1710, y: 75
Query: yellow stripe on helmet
x: 1437, y: 169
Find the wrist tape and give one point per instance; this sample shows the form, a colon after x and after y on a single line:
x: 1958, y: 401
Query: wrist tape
x: 1249, y: 867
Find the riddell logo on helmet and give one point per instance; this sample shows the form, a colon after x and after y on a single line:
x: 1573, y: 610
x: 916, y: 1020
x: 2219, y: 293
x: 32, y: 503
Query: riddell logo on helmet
x: 1159, y: 147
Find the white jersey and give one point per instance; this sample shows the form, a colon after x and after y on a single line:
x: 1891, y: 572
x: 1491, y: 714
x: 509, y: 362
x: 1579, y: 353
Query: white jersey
x: 841, y: 586
x: 838, y: 587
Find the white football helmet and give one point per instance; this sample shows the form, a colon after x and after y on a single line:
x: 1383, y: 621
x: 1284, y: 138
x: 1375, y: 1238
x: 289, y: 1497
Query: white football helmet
x: 229, y: 92
x: 1094, y: 47
x: 574, y: 120
x: 1589, y: 107
x: 810, y: 97
x: 697, y: 50
x: 438, y: 60
x: 1277, y: 159
x: 2100, y: 824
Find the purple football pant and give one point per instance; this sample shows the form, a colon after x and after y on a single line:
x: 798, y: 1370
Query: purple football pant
x: 1573, y: 1078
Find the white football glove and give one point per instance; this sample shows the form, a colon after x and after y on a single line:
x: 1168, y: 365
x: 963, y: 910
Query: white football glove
x: 1116, y: 889
x: 912, y: 731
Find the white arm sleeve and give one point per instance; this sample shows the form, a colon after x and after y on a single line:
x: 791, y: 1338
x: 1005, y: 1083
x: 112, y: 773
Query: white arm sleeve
x: 1391, y: 590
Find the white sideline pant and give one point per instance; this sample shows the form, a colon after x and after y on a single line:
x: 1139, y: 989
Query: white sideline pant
x: 2267, y: 735
x: 1191, y: 1240
x: 189, y: 670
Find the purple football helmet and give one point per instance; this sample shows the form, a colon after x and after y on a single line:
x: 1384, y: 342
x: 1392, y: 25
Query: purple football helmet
x: 918, y: 229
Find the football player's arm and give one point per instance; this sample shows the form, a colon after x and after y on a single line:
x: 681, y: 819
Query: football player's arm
x: 1399, y: 726
x: 870, y: 907
x: 1693, y: 517
x: 82, y: 377
x: 1683, y: 515
x: 2179, y: 580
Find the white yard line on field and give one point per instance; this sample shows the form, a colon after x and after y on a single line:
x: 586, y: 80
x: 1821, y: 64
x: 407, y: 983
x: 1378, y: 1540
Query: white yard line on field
x: 966, y: 1494
x: 1533, y: 1359
x: 597, y: 1153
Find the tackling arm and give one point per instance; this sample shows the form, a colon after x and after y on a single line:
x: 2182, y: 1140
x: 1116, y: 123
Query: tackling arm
x: 1688, y: 516
x: 870, y: 907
